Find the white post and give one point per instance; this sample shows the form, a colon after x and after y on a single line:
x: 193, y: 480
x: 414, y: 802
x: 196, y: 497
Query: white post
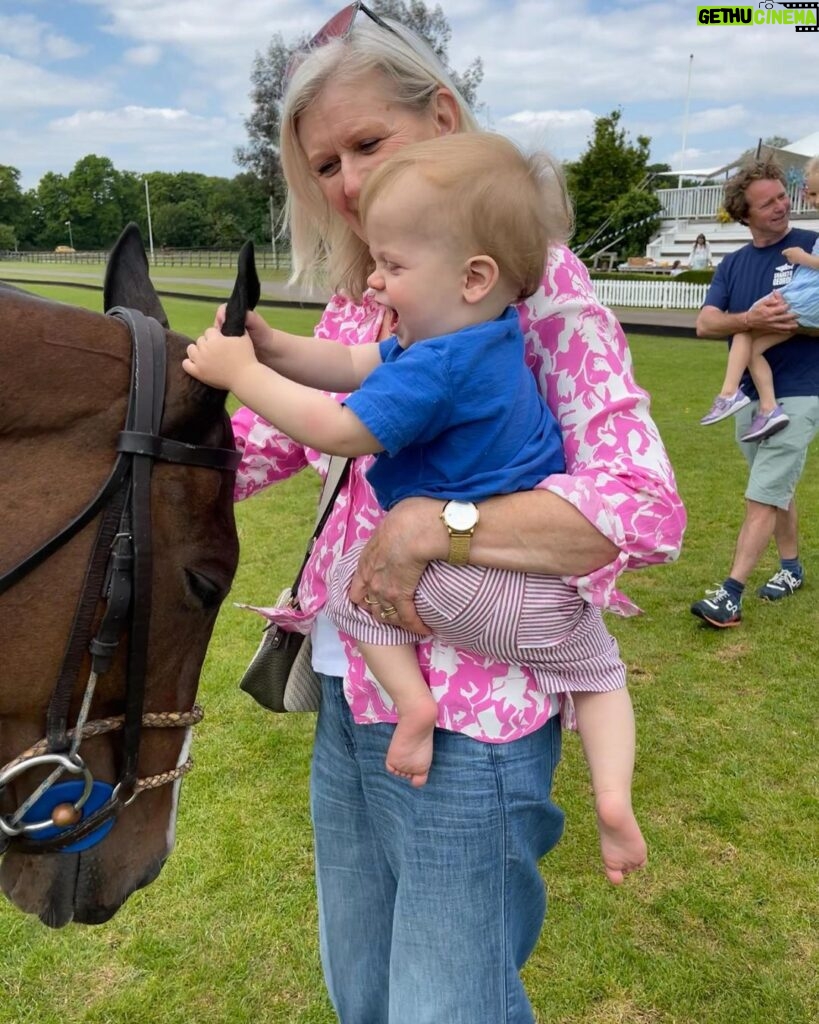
x: 685, y: 118
x: 150, y: 228
x: 272, y: 231
x: 70, y: 236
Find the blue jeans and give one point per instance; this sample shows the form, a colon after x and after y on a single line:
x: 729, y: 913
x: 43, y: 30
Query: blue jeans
x: 430, y: 899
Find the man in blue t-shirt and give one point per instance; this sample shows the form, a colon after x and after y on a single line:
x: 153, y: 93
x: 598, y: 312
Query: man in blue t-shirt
x: 742, y: 296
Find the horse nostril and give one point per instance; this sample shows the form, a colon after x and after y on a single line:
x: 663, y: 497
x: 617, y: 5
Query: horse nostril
x: 204, y: 589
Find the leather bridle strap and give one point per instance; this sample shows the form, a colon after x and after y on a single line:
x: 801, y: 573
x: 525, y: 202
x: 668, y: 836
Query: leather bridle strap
x: 125, y: 534
x: 144, y: 416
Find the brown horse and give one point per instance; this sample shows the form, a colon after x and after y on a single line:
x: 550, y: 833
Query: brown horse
x: 65, y: 389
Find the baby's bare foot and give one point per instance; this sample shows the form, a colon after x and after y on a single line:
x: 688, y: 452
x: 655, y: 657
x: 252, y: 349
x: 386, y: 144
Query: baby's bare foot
x: 621, y: 841
x: 410, y: 752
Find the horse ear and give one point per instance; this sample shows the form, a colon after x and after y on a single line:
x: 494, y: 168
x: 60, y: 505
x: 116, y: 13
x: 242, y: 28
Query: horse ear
x: 246, y: 292
x: 127, y: 282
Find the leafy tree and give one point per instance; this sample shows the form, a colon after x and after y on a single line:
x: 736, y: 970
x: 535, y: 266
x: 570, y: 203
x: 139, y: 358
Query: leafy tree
x: 8, y: 238
x: 634, y: 220
x: 261, y: 154
x: 607, y: 185
x: 183, y: 225
x: 775, y: 141
x: 16, y: 207
x: 12, y: 203
x: 52, y: 210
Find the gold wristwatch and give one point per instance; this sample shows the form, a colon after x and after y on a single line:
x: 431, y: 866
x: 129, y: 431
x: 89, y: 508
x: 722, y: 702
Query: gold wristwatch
x: 460, y: 518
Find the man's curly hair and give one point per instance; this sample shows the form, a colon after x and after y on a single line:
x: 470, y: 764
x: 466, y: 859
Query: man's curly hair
x: 734, y: 201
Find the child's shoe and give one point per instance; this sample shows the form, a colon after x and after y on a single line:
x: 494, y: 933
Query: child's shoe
x: 725, y: 407
x: 766, y: 424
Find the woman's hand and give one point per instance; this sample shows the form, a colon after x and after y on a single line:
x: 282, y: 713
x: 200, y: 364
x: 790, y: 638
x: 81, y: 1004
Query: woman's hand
x: 394, y: 560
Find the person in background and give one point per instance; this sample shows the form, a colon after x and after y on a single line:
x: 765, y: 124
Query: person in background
x: 431, y: 898
x: 700, y: 258
x: 748, y: 347
x: 745, y: 296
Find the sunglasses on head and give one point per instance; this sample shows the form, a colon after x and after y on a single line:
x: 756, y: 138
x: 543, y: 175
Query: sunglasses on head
x: 338, y: 27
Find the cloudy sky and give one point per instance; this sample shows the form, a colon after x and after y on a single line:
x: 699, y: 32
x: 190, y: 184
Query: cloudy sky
x: 159, y: 85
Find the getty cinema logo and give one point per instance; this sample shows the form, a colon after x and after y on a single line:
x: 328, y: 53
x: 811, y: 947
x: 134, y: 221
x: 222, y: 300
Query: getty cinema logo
x: 803, y: 16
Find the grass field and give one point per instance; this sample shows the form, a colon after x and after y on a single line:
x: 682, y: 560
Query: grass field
x: 721, y: 928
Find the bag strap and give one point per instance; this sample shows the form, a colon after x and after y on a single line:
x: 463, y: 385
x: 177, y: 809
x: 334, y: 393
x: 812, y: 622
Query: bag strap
x: 336, y: 475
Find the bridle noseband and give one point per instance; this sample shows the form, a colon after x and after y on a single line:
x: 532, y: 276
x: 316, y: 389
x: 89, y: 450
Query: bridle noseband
x: 119, y: 568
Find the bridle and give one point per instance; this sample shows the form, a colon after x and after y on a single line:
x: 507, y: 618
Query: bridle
x: 119, y: 568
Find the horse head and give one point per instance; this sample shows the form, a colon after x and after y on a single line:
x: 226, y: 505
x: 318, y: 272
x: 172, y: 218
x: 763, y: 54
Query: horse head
x: 67, y: 393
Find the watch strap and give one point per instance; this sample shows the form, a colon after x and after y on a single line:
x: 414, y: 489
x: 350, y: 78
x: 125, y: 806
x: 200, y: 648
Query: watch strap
x: 459, y: 547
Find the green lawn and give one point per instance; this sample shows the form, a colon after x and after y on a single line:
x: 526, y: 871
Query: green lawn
x: 721, y: 928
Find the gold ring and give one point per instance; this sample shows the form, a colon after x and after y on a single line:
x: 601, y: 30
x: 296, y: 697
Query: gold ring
x: 388, y: 611
x: 369, y: 600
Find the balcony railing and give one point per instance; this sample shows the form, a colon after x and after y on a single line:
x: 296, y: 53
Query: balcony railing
x: 705, y: 201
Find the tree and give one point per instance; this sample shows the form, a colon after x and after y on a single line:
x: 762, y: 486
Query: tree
x: 183, y: 225
x: 261, y: 154
x: 8, y: 238
x: 607, y: 184
x: 15, y: 207
x: 11, y: 197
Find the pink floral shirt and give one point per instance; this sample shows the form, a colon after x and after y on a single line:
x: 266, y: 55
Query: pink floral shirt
x: 618, y: 476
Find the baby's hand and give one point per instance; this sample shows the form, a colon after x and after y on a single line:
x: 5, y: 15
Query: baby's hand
x: 218, y: 360
x: 794, y: 254
x: 255, y: 325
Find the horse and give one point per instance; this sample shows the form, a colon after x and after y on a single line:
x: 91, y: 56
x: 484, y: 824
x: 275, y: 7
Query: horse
x: 118, y: 545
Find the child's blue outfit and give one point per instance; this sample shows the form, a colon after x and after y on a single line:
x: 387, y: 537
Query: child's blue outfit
x: 459, y: 416
x: 802, y: 293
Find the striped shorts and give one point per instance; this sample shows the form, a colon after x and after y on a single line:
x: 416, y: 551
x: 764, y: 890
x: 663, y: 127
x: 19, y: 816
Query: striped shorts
x: 511, y: 617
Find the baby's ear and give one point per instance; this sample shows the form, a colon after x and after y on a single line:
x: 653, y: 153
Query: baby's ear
x: 481, y: 276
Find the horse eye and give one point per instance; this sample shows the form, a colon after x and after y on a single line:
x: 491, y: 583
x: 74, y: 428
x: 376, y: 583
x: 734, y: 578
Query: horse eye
x: 204, y: 589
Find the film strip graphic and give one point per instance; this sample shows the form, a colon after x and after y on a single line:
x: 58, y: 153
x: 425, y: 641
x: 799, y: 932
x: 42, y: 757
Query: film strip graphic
x: 803, y: 7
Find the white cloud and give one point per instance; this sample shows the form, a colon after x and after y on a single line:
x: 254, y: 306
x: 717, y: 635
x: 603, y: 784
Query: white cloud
x: 143, y: 56
x: 26, y: 86
x: 25, y: 36
x: 563, y: 133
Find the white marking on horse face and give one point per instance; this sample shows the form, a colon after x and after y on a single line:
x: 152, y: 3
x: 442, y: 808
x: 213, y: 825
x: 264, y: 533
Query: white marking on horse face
x: 170, y: 838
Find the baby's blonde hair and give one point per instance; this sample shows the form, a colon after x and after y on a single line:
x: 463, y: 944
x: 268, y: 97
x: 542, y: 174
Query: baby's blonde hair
x: 812, y: 167
x: 494, y: 200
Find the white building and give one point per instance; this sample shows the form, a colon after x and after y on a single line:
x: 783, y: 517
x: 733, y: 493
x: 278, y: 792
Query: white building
x: 688, y: 212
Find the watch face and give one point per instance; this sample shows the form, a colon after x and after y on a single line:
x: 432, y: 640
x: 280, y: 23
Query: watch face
x: 460, y: 515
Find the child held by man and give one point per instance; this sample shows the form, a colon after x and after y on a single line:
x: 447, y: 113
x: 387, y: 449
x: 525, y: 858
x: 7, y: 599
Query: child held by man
x: 748, y: 347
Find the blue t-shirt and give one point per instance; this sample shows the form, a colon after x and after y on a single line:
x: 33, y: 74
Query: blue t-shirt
x: 747, y: 275
x: 459, y: 416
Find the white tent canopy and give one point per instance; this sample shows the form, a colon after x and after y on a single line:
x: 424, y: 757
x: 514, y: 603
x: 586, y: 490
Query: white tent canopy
x: 809, y: 146
x: 795, y: 154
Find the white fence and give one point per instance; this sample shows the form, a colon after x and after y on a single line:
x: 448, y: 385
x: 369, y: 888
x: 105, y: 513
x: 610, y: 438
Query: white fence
x: 265, y: 258
x: 668, y: 294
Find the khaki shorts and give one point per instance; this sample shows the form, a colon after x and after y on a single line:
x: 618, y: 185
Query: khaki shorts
x: 777, y: 462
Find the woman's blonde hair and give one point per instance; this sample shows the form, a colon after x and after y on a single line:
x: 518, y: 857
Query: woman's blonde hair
x: 324, y: 248
x: 488, y: 197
